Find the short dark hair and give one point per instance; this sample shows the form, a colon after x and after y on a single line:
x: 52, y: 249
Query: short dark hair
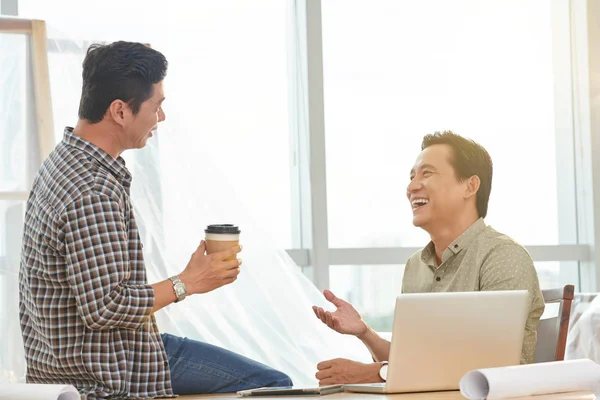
x: 468, y: 158
x: 118, y: 71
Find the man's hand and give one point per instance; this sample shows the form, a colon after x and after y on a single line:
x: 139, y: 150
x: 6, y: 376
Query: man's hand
x: 345, y: 319
x: 205, y: 273
x: 341, y: 370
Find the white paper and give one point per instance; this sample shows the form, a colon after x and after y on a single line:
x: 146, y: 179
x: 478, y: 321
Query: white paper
x: 531, y: 379
x: 31, y: 391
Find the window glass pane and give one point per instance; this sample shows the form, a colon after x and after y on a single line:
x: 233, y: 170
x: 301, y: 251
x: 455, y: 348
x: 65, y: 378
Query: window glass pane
x: 417, y: 67
x: 227, y: 97
x: 64, y: 63
x: 372, y: 289
x: 12, y: 362
x: 13, y: 117
x: 549, y: 275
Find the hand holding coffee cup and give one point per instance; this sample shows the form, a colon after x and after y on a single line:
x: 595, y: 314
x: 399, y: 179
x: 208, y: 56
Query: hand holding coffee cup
x: 214, y: 263
x: 221, y: 237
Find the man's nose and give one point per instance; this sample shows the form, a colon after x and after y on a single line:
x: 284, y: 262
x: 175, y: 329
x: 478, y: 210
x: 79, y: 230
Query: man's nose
x: 413, y: 185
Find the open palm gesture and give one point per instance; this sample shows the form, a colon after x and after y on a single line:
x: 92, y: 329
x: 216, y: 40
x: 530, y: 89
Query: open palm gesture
x: 345, y: 319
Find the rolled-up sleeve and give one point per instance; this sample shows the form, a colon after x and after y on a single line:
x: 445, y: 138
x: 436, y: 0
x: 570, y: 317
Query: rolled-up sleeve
x: 98, y: 269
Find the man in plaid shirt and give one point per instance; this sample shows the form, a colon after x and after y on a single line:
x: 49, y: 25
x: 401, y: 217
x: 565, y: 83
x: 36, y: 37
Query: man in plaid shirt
x: 86, y: 309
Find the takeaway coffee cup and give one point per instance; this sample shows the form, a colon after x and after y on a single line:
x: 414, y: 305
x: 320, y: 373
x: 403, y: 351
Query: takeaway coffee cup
x: 221, y: 237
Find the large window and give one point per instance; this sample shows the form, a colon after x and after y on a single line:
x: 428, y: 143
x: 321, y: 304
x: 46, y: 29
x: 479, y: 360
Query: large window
x: 394, y: 71
x: 13, y: 112
x: 228, y: 65
x: 228, y: 74
x: 497, y: 71
x: 18, y: 159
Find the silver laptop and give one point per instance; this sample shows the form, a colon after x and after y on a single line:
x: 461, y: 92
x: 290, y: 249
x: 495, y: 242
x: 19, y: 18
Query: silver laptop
x: 438, y: 337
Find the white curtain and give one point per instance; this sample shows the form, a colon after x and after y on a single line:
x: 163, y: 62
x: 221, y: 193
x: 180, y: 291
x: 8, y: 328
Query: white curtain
x: 15, y: 146
x: 583, y: 340
x: 183, y: 181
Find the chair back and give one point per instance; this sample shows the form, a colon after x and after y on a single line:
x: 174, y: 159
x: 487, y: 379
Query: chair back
x: 552, y: 331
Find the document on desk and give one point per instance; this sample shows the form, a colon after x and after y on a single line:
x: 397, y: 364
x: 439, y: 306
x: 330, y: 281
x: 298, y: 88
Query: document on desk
x: 33, y: 391
x: 292, y: 391
x: 531, y: 379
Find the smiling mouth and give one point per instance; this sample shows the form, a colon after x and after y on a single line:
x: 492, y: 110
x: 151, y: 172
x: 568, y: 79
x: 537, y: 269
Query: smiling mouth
x: 418, y: 203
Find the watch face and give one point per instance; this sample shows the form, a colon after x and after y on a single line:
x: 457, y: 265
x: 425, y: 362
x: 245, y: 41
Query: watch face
x: 179, y: 289
x: 383, y: 372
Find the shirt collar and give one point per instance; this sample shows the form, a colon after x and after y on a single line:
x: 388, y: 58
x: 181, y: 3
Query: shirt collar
x: 116, y: 166
x: 460, y: 243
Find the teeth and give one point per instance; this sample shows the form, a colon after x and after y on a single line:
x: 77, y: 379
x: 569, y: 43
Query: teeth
x: 420, y: 201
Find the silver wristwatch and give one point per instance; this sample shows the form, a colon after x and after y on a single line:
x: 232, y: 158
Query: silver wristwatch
x: 178, y: 288
x: 383, y: 370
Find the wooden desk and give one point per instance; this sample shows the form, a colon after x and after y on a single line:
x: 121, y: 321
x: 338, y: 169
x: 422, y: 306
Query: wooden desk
x: 407, y: 396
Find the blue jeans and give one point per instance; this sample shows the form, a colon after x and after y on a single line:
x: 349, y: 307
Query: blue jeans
x: 198, y: 368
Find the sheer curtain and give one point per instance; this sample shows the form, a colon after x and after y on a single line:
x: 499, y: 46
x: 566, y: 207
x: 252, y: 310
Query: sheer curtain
x: 17, y: 148
x: 188, y: 177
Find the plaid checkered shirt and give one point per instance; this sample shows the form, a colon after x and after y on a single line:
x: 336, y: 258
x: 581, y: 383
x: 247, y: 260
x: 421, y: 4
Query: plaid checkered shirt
x: 85, y: 304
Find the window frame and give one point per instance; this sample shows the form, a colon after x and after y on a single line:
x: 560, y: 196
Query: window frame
x: 40, y: 83
x: 578, y: 173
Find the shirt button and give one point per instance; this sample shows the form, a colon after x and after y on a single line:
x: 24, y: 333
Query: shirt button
x: 166, y: 363
x: 456, y: 246
x: 438, y: 279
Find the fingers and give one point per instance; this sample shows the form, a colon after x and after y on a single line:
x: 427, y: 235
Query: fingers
x: 235, y: 249
x: 323, y: 374
x: 315, y: 310
x: 329, y: 381
x: 228, y: 280
x: 328, y: 294
x: 323, y: 365
x: 202, y: 247
x: 221, y: 255
x: 333, y: 299
x: 231, y: 264
x: 226, y: 254
x: 232, y: 273
x: 336, y: 323
x: 328, y: 319
x: 320, y: 314
x: 326, y: 372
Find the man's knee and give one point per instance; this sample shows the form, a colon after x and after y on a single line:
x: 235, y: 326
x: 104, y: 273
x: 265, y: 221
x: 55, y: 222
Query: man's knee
x: 278, y: 378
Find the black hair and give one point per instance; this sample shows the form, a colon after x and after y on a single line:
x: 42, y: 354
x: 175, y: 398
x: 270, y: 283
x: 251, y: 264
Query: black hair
x: 118, y: 71
x: 468, y: 158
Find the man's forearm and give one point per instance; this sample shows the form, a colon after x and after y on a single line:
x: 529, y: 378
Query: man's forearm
x: 163, y: 294
x: 378, y: 346
x: 124, y: 307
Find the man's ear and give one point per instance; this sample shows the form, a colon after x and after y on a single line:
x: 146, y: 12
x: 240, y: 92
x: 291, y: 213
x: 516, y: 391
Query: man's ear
x: 117, y: 111
x: 472, y: 187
